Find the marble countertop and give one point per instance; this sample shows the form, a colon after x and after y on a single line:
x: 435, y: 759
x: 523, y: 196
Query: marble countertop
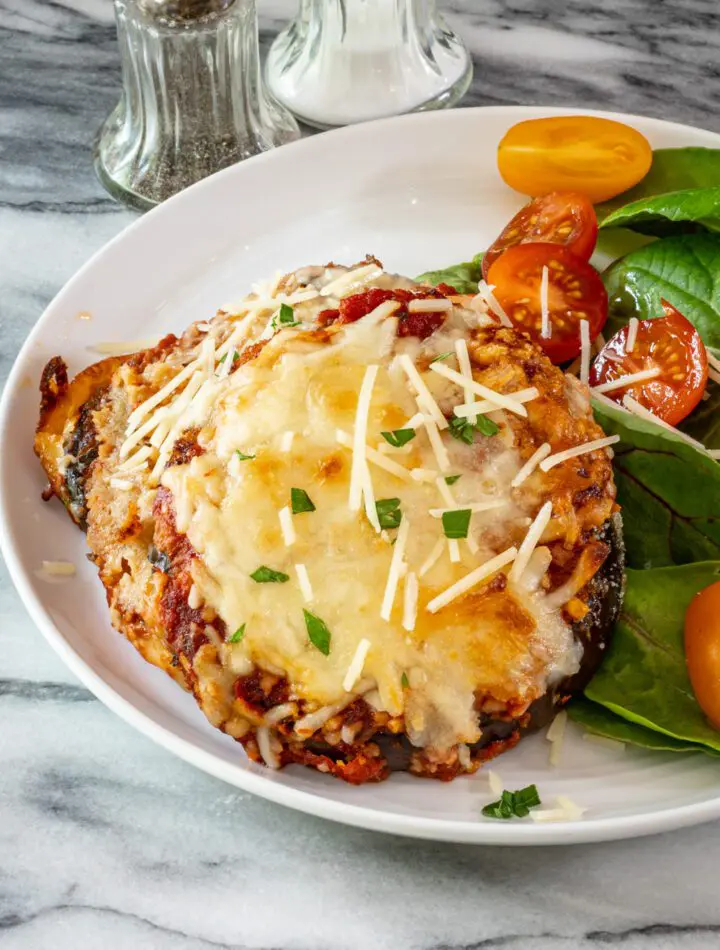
x: 107, y: 840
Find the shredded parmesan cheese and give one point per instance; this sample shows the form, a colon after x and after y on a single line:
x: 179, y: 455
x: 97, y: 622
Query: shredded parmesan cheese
x: 714, y: 375
x: 262, y: 734
x: 585, y: 347
x: 424, y: 397
x: 351, y: 279
x: 121, y: 484
x: 359, y: 461
x: 395, y: 569
x: 530, y: 542
x: 377, y: 458
x: 556, y: 736
x: 532, y: 463
x: 304, y: 583
x: 436, y: 444
x: 504, y: 402
x: 127, y: 346
x: 356, y: 665
x: 472, y: 579
x: 286, y: 440
x: 622, y: 382
x: 58, y: 568
x: 453, y: 551
x: 632, y: 334
x: 637, y: 409
x: 410, y: 602
x: 491, y: 301
x: 432, y: 558
x: 495, y: 782
x: 474, y: 506
x: 430, y: 305
x: 286, y: 526
x: 463, y: 358
x: 423, y: 475
x: 552, y: 460
x: 545, y: 328
x: 485, y: 405
x: 712, y: 359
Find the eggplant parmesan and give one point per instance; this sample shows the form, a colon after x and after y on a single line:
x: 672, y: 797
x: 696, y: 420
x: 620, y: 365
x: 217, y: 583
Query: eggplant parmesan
x: 365, y: 522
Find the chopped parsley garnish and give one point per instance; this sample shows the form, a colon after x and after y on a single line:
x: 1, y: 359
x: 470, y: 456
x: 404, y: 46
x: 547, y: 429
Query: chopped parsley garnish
x: 399, y: 437
x: 404, y: 681
x: 441, y: 356
x: 266, y: 575
x: 451, y: 479
x: 513, y: 804
x: 300, y: 501
x: 236, y: 356
x: 286, y: 317
x: 456, y: 523
x: 388, y: 512
x: 242, y: 456
x: 464, y: 430
x: 238, y: 635
x: 317, y: 632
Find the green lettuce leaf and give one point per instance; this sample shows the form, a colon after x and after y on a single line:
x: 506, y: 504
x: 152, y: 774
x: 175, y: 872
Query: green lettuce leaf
x: 643, y: 677
x: 684, y: 270
x: 672, y: 169
x: 601, y: 722
x: 703, y: 423
x: 463, y: 277
x: 669, y: 492
x: 678, y: 212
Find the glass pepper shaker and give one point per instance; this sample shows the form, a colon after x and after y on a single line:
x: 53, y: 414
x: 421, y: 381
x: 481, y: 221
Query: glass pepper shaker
x: 193, y: 98
x: 343, y: 61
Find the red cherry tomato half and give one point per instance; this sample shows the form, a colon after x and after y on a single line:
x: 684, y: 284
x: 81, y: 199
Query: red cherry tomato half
x: 702, y: 650
x: 575, y: 293
x: 672, y: 346
x: 560, y: 218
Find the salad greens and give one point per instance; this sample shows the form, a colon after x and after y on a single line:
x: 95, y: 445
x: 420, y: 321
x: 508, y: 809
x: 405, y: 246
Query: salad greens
x: 684, y: 270
x: 672, y: 169
x: 669, y: 492
x: 675, y: 213
x: 668, y: 230
x: 463, y: 277
x: 601, y: 722
x: 644, y: 677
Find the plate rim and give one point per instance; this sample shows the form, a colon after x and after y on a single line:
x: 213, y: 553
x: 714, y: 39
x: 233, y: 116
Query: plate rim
x: 439, y: 829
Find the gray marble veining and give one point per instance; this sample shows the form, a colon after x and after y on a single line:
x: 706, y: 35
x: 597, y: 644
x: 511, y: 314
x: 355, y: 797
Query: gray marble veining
x: 107, y: 841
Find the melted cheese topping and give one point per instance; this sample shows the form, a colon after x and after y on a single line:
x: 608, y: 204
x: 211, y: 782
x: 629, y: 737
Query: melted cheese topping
x: 506, y: 643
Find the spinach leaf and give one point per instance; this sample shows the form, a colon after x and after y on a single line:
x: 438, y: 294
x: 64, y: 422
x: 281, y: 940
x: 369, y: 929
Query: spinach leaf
x: 643, y: 677
x: 672, y: 169
x: 684, y: 270
x: 601, y: 722
x: 675, y: 213
x: 463, y: 277
x: 703, y: 423
x: 669, y: 492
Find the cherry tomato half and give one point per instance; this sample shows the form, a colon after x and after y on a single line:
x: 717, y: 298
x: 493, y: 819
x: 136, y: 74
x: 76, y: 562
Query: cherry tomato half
x: 575, y: 293
x: 670, y: 344
x: 702, y: 650
x: 560, y: 218
x: 597, y: 157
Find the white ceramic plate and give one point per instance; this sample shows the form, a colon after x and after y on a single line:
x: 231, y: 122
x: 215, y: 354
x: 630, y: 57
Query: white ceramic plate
x: 419, y: 192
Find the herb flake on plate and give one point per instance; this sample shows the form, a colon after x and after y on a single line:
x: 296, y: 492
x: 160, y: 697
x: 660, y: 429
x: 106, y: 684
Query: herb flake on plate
x: 513, y: 804
x: 238, y: 635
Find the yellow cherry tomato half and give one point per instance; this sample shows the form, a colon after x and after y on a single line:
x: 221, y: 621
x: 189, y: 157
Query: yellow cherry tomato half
x: 702, y: 650
x: 596, y: 157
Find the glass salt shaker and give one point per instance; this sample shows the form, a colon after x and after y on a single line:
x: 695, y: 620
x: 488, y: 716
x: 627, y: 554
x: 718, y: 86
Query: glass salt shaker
x: 343, y: 61
x: 193, y: 98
